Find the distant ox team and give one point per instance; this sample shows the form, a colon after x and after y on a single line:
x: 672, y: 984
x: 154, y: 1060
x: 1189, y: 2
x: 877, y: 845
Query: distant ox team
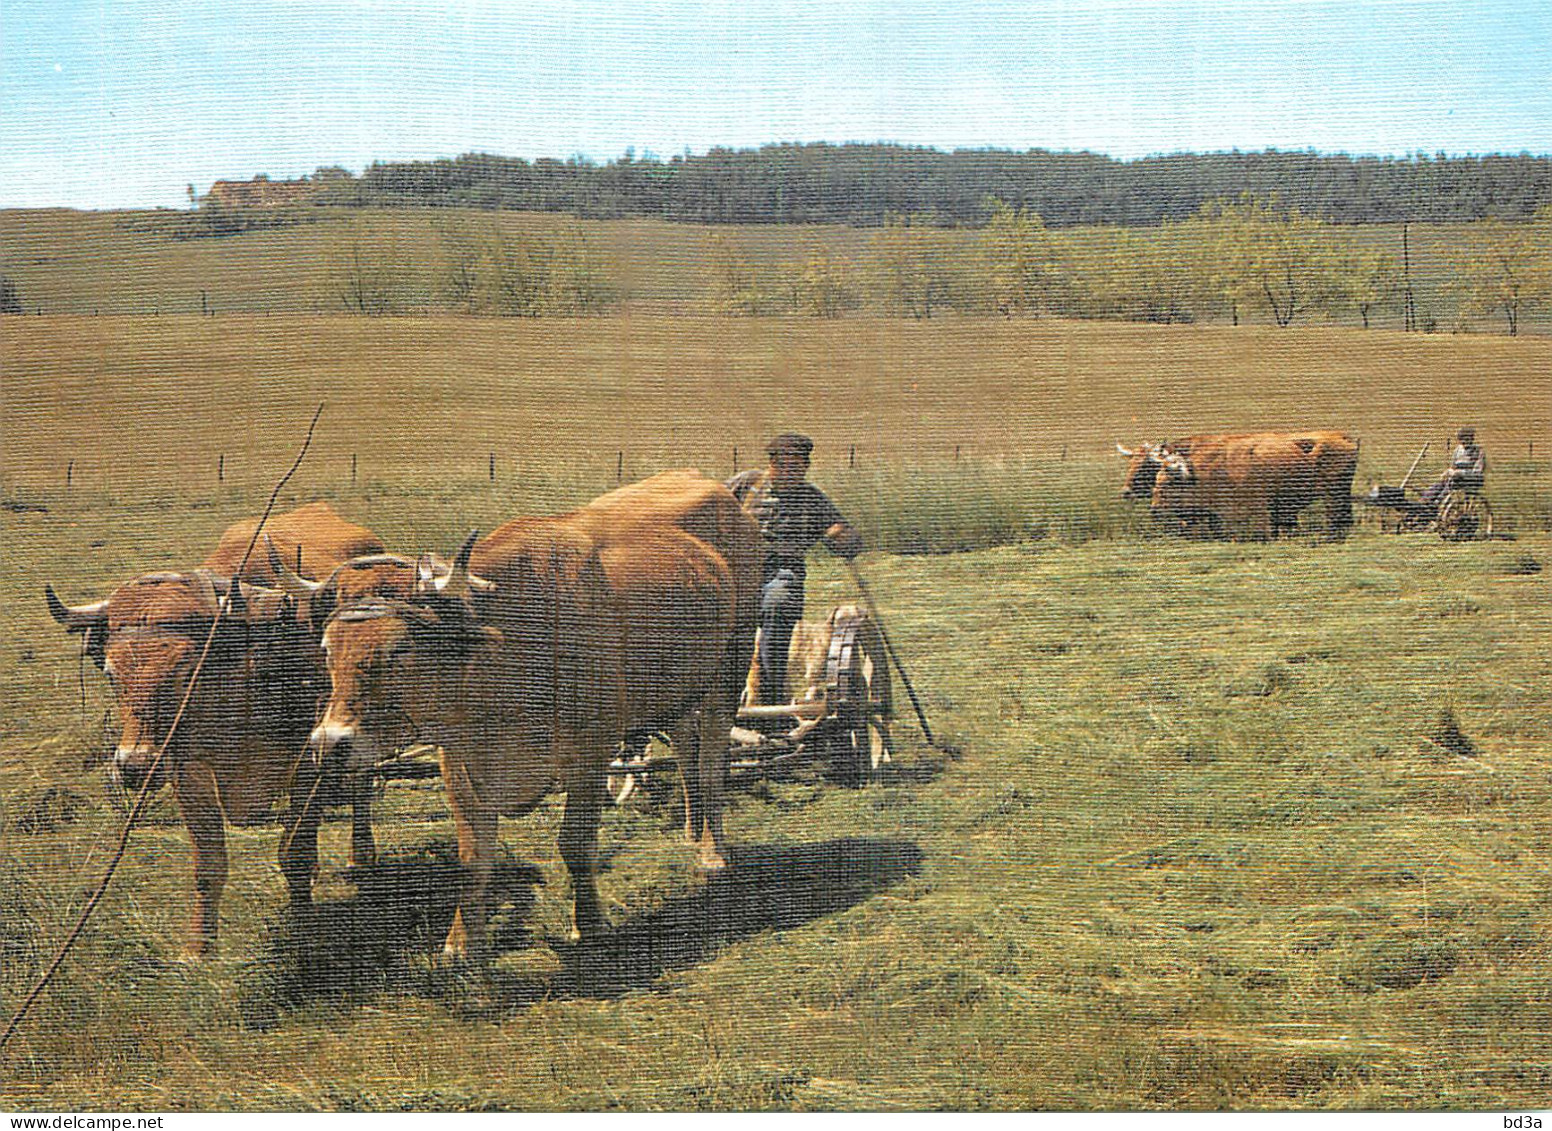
x: 1246, y: 485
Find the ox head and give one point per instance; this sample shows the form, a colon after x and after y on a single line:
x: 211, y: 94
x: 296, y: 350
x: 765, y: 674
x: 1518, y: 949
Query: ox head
x: 147, y: 636
x: 394, y: 632
x: 1142, y: 469
x: 1172, y: 483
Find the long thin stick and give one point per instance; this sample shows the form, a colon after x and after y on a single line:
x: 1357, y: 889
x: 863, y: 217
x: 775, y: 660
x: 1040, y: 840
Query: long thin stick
x: 144, y: 795
x: 1413, y: 468
x: 893, y: 655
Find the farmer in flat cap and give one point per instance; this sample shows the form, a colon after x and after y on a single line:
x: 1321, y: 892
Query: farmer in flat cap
x: 793, y: 515
x: 1467, y: 470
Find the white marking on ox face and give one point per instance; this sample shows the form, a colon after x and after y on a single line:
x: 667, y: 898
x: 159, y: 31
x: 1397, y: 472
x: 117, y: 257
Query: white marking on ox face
x: 363, y: 650
x: 360, y: 749
x: 123, y: 759
x: 132, y: 764
x: 130, y: 755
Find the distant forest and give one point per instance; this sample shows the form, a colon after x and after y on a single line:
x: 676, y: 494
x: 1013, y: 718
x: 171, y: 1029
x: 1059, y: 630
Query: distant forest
x: 861, y: 185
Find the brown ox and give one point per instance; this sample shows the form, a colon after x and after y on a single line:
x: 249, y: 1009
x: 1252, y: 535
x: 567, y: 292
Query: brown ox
x: 1226, y: 480
x: 631, y: 615
x: 311, y: 539
x: 236, y: 748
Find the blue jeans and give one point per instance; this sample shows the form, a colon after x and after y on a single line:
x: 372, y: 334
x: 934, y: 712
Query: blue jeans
x: 781, y: 607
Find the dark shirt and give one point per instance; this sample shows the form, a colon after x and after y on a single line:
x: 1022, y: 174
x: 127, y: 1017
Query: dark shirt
x: 791, y: 521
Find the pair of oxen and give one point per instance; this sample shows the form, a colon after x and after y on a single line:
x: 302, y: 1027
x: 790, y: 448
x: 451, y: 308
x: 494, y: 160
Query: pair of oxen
x: 1246, y: 485
x: 527, y: 659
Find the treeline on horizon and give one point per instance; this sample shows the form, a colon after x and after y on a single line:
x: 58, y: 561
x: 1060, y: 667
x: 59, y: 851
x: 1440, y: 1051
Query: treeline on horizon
x: 862, y: 185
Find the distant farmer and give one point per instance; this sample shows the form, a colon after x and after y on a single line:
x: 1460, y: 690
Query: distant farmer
x: 1467, y: 470
x: 793, y: 515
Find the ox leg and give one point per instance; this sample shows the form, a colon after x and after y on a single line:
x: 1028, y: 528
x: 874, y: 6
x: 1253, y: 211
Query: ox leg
x: 686, y: 739
x: 701, y: 741
x: 477, y: 852
x: 299, y: 839
x: 751, y: 692
x: 1263, y: 528
x: 195, y: 789
x: 579, y: 849
x: 711, y: 767
x: 363, y: 849
x: 1339, y: 514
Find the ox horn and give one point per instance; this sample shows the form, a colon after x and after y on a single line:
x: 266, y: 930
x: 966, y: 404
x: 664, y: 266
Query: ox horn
x: 426, y: 573
x: 432, y: 573
x: 1127, y: 452
x: 257, y: 603
x: 76, y: 618
x: 457, y: 583
x: 292, y: 583
x: 205, y: 581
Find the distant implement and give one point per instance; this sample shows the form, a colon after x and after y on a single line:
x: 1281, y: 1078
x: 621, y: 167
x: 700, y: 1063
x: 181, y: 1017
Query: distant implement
x: 1456, y: 508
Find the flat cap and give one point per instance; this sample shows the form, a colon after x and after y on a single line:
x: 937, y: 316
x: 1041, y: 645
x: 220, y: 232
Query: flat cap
x: 789, y: 444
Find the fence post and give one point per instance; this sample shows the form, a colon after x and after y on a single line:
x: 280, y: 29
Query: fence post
x: 735, y: 459
x: 221, y: 469
x: 852, y: 459
x: 956, y: 453
x: 619, y: 468
x: 352, y: 469
x: 69, y: 474
x: 492, y: 467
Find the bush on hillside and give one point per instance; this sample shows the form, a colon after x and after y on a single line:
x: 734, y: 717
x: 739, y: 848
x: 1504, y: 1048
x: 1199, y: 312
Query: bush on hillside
x: 10, y: 296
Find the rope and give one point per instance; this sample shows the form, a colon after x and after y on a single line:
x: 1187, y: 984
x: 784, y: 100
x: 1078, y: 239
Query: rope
x: 80, y: 672
x: 144, y: 795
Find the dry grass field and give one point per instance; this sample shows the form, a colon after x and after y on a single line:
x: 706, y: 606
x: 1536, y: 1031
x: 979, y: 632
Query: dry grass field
x: 150, y: 405
x: 1206, y: 843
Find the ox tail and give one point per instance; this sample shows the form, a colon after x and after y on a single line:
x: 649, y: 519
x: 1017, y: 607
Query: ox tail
x: 1339, y: 500
x: 734, y: 675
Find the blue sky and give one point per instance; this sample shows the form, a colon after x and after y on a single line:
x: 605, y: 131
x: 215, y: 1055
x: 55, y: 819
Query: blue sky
x: 125, y: 103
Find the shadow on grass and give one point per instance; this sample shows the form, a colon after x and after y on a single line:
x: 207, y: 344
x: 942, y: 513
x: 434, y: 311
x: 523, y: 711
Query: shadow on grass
x: 378, y: 940
x: 921, y: 770
x: 365, y: 944
x: 768, y: 888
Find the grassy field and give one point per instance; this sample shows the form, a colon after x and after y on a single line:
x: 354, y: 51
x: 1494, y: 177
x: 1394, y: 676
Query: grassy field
x: 135, y: 263
x: 1209, y: 840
